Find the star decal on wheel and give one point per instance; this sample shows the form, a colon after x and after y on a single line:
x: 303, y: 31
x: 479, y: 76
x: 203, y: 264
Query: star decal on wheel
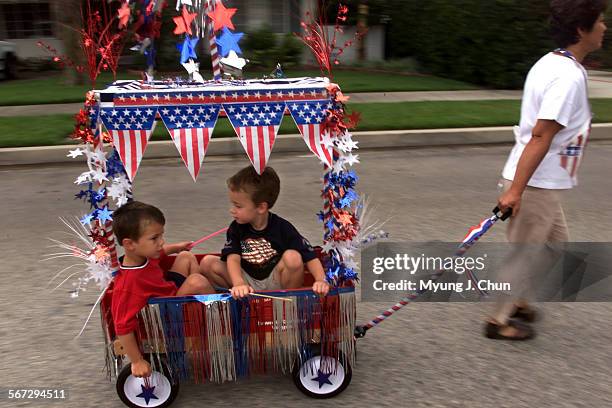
x: 147, y: 393
x: 322, y: 378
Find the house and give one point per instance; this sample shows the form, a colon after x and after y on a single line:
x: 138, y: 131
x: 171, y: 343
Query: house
x: 27, y: 22
x: 24, y: 23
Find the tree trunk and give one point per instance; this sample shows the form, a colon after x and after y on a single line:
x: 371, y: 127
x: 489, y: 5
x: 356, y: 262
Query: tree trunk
x: 68, y: 17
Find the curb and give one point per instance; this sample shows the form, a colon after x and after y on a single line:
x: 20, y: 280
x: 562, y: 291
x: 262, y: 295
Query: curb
x: 294, y: 143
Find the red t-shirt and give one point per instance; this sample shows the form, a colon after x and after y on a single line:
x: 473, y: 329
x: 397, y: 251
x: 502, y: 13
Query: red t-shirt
x: 133, y: 288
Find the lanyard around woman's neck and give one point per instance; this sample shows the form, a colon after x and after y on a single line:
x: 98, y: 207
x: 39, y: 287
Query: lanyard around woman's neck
x: 566, y: 53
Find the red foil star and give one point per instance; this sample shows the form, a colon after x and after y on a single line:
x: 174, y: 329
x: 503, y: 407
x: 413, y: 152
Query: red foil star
x: 183, y: 22
x: 221, y: 16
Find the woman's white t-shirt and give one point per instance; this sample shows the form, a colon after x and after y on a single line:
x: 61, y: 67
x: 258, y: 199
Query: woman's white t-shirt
x: 555, y: 89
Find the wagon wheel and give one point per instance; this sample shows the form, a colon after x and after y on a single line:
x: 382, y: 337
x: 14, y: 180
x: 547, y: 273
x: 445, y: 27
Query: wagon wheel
x: 133, y: 392
x: 322, y: 376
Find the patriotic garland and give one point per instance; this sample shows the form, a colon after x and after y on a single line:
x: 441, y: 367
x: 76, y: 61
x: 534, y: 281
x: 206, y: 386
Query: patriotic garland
x: 341, y: 224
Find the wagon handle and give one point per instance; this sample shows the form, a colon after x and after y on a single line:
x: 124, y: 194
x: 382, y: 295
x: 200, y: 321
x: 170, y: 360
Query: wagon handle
x: 360, y: 331
x: 505, y: 215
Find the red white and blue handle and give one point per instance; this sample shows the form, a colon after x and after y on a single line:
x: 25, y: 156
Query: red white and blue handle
x: 470, y: 239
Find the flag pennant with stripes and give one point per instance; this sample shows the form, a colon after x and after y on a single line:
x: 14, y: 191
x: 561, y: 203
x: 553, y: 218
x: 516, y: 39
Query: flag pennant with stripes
x: 256, y: 125
x: 191, y: 128
x: 309, y: 117
x: 130, y: 129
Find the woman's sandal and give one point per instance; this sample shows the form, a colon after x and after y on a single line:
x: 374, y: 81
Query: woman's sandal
x: 526, y: 314
x: 523, y: 331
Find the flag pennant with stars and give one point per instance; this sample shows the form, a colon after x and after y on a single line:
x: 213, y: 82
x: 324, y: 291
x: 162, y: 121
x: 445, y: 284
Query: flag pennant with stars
x: 309, y: 117
x: 130, y: 129
x: 256, y: 125
x: 191, y: 128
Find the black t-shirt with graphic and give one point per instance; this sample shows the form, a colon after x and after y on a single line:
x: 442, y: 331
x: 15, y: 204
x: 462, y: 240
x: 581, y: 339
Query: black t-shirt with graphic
x: 260, y: 251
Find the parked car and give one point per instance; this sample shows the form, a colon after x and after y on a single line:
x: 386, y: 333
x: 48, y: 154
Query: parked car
x: 8, y: 60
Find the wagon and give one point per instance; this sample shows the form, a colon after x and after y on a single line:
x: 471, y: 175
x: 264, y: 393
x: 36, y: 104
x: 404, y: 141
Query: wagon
x: 215, y: 338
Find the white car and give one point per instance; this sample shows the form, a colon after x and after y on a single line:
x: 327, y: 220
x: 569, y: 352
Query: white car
x: 8, y: 60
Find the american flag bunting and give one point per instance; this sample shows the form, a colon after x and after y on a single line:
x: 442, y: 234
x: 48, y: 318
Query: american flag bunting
x: 130, y: 129
x: 256, y: 125
x: 191, y: 128
x: 309, y: 117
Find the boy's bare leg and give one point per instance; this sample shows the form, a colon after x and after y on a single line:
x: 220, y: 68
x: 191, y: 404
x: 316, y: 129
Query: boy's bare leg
x: 216, y: 271
x: 195, y: 284
x: 290, y: 270
x: 186, y: 264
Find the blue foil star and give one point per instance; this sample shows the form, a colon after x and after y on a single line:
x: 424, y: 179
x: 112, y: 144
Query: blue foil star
x: 105, y: 214
x: 86, y: 220
x: 147, y: 393
x: 228, y: 41
x: 187, y: 49
x: 322, y: 378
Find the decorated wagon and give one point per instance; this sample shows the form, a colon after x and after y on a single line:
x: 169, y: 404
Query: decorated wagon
x: 215, y: 338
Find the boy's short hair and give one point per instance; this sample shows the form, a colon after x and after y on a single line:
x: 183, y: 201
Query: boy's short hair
x: 263, y: 188
x: 567, y: 16
x: 130, y: 220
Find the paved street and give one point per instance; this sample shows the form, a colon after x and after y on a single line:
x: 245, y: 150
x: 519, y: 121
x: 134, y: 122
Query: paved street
x: 428, y: 355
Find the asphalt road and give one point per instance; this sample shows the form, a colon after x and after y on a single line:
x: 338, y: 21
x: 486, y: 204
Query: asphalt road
x: 428, y: 355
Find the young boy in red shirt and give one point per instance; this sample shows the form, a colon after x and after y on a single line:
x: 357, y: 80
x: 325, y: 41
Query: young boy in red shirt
x: 263, y: 251
x: 139, y: 228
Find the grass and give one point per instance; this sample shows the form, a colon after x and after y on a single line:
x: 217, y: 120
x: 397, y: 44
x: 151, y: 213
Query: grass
x: 52, y: 89
x: 53, y: 129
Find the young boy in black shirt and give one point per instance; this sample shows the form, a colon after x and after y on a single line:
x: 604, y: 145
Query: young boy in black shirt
x: 263, y: 251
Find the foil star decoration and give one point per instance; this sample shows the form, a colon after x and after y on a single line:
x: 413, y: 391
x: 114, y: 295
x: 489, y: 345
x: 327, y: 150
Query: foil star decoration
x: 340, y: 97
x: 322, y: 378
x: 228, y: 41
x: 75, y: 153
x: 147, y: 393
x: 352, y: 159
x: 100, y: 253
x: 183, y: 22
x: 233, y: 60
x: 83, y: 178
x: 105, y: 214
x: 86, y: 220
x: 187, y: 48
x: 345, y: 218
x: 221, y: 16
x: 99, y: 175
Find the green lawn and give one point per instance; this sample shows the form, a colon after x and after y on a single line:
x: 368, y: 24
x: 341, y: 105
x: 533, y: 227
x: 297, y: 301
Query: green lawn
x: 53, y: 129
x: 53, y: 90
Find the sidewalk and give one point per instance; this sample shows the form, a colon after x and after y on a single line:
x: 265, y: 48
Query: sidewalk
x: 600, y: 86
x: 294, y: 144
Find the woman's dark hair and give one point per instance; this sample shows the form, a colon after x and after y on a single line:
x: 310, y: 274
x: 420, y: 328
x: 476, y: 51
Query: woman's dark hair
x: 567, y: 16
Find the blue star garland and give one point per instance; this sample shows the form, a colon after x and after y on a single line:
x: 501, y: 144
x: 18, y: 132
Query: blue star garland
x: 86, y: 219
x: 104, y: 214
x: 92, y: 196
